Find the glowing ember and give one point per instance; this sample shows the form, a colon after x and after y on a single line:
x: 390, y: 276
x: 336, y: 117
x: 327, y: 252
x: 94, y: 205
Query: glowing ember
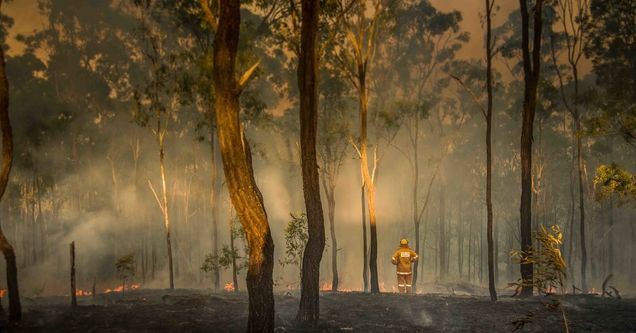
x: 120, y: 288
x: 3, y: 292
x: 229, y: 286
x: 80, y: 292
x: 326, y: 286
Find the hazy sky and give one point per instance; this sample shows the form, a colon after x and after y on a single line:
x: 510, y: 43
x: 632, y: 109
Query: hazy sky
x: 471, y: 11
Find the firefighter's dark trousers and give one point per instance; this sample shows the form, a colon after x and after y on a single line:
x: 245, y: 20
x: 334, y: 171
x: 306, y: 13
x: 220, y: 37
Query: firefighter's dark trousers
x: 404, y: 282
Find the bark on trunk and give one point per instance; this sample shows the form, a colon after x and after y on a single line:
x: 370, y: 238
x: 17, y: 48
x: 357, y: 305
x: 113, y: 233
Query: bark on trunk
x: 365, y: 245
x: 309, y: 308
x: 489, y: 229
x: 214, y: 202
x: 415, y: 192
x: 580, y: 167
x: 334, y: 243
x: 73, y: 289
x: 441, y: 246
x: 15, y: 308
x: 366, y: 176
x: 232, y: 250
x: 164, y: 198
x: 531, y: 68
x: 245, y: 195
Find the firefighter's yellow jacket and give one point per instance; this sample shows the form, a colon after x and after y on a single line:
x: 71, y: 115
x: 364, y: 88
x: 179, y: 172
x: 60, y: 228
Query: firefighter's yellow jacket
x: 403, y: 257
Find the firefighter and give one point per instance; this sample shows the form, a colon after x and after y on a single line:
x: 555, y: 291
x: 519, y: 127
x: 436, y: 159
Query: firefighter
x: 402, y: 258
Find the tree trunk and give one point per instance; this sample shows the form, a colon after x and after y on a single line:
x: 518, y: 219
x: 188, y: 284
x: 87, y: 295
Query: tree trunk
x: 366, y: 176
x: 489, y: 229
x: 330, y: 189
x: 610, y: 238
x: 365, y: 246
x: 232, y: 250
x: 15, y: 309
x: 570, y: 256
x: 237, y: 165
x: 579, y: 158
x: 531, y: 67
x: 164, y: 198
x: 334, y: 243
x: 309, y: 308
x: 214, y: 202
x: 415, y: 191
x: 460, y: 241
x: 471, y: 254
x: 73, y: 289
x: 441, y: 246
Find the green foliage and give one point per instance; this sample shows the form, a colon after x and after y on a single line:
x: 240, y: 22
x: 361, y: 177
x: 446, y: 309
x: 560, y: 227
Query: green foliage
x: 296, y: 235
x: 549, y: 265
x: 125, y: 267
x: 612, y: 49
x: 612, y: 179
x: 227, y: 255
x: 213, y: 263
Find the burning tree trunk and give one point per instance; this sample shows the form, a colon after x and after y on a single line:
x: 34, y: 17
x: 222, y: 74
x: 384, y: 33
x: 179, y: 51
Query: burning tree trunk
x: 73, y: 289
x: 237, y: 165
x: 15, y: 309
x: 489, y: 229
x: 309, y: 309
x: 366, y: 175
x: 531, y: 70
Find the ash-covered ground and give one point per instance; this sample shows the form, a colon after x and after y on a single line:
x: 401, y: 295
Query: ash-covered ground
x: 153, y: 310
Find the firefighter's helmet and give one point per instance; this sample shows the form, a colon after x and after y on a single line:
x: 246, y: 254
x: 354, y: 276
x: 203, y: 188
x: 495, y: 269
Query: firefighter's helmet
x: 404, y: 242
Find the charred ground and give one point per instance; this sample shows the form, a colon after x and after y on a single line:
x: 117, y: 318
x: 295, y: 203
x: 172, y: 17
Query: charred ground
x: 153, y: 310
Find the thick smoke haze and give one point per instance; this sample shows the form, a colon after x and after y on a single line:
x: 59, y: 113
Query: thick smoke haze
x: 86, y: 169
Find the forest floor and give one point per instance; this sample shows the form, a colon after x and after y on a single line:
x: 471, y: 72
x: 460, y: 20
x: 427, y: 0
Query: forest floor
x: 154, y: 310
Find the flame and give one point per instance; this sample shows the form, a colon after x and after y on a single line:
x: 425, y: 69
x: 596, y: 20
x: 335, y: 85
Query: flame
x: 326, y: 286
x: 229, y: 286
x: 80, y: 292
x: 120, y: 288
x: 3, y: 292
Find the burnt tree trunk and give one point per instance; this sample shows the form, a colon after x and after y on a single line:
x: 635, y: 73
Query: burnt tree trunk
x: 234, y: 273
x: 309, y: 308
x: 15, y: 309
x: 73, y: 289
x: 365, y: 245
x: 237, y: 165
x: 414, y: 197
x: 331, y: 204
x: 214, y: 202
x: 441, y: 246
x: 489, y: 229
x: 580, y: 166
x: 531, y: 70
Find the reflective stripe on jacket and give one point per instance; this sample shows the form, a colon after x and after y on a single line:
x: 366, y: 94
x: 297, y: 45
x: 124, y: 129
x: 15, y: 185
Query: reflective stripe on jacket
x: 403, y: 257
